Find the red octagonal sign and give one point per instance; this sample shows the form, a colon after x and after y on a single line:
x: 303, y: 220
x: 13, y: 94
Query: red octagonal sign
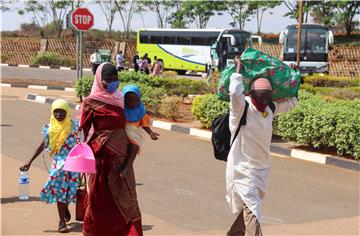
x: 82, y: 19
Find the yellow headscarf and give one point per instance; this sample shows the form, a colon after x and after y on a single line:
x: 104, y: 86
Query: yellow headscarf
x: 59, y: 131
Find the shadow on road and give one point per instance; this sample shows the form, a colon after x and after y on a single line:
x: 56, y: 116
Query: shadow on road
x: 16, y: 199
x: 73, y: 227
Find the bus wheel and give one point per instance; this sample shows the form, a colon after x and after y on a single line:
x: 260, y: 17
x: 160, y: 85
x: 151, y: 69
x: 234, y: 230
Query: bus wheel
x: 181, y: 72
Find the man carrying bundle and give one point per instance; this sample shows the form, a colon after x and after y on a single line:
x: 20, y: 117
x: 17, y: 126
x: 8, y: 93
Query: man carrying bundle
x: 249, y: 159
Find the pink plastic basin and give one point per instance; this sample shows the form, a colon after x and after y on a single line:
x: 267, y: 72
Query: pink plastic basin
x: 80, y: 159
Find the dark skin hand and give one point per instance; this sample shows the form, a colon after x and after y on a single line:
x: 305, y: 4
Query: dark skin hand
x: 60, y: 115
x: 132, y: 101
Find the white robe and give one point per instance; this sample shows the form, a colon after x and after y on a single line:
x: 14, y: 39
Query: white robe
x: 249, y: 160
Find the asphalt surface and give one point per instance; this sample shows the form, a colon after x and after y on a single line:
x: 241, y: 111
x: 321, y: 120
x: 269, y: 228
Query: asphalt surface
x: 181, y: 183
x: 54, y: 74
x: 38, y: 73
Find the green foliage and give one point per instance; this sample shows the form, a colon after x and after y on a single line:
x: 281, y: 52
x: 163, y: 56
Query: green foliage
x: 51, y: 59
x: 178, y: 87
x: 200, y: 11
x: 332, y: 81
x: 208, y: 107
x: 347, y: 93
x: 323, y: 125
x: 83, y: 86
x: 169, y: 107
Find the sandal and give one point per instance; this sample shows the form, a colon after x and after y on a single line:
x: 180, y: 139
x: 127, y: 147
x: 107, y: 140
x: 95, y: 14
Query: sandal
x: 67, y: 215
x: 62, y: 228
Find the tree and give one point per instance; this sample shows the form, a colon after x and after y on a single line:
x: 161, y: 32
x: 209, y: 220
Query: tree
x: 293, y: 8
x: 109, y: 9
x: 58, y: 13
x: 39, y: 12
x: 126, y: 9
x: 41, y: 9
x: 201, y: 11
x: 345, y: 13
x: 240, y: 12
x: 260, y: 7
x: 161, y: 8
x: 337, y: 13
x: 177, y: 19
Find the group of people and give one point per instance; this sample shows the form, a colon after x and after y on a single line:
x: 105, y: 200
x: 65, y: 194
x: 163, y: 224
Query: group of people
x: 113, y: 122
x: 143, y: 64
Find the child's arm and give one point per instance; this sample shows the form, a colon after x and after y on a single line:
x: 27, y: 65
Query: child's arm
x: 153, y: 135
x: 38, y: 150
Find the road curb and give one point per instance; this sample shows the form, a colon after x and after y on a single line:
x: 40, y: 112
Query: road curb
x: 206, y: 134
x: 42, y: 87
x: 44, y: 67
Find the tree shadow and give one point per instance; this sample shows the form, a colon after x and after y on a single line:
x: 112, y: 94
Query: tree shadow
x: 16, y: 199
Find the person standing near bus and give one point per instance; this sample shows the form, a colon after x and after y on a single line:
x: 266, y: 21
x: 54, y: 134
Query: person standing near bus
x: 95, y: 60
x: 136, y: 62
x: 120, y: 61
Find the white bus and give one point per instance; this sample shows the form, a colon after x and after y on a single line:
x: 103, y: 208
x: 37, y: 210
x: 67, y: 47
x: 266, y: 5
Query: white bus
x: 193, y: 49
x: 314, y: 49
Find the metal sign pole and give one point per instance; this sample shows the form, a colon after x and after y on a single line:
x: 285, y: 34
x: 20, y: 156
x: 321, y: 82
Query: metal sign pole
x: 299, y: 33
x: 81, y: 53
x: 77, y: 54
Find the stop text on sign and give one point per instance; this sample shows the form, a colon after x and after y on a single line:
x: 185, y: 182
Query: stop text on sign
x: 82, y: 19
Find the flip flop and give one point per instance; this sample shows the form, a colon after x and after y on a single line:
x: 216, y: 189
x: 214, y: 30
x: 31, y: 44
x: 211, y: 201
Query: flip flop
x: 62, y: 228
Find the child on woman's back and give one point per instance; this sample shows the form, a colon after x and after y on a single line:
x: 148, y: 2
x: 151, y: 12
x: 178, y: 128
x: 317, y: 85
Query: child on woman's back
x: 136, y: 116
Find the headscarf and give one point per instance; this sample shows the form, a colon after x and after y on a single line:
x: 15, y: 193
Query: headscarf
x: 261, y: 84
x: 99, y: 93
x: 59, y: 130
x: 137, y: 113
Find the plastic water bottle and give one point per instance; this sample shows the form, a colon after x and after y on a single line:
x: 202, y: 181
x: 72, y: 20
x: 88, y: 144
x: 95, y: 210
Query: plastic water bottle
x: 24, y: 185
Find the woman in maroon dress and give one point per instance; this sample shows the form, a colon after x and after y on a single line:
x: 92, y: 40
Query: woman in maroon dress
x: 113, y: 208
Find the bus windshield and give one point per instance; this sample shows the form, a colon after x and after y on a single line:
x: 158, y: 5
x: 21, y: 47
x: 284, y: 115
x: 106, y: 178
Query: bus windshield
x: 242, y: 41
x: 312, y: 41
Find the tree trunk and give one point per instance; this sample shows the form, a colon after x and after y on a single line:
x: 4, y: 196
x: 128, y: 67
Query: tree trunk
x: 348, y: 26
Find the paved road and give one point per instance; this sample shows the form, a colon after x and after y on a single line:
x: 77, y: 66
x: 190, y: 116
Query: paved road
x: 53, y: 74
x: 40, y: 74
x: 180, y: 183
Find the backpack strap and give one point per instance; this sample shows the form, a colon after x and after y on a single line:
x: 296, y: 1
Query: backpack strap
x: 272, y: 106
x: 242, y: 121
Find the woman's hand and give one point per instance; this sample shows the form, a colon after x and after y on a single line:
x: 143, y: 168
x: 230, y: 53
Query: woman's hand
x: 25, y: 167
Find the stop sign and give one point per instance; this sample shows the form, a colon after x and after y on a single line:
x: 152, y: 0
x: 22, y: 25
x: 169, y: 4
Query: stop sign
x: 82, y: 19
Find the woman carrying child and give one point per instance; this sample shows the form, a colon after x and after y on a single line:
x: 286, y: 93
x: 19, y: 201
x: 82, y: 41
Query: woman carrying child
x: 113, y: 208
x: 59, y: 137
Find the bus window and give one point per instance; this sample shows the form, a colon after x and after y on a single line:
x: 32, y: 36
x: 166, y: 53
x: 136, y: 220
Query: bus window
x: 144, y: 39
x: 183, y: 40
x: 169, y: 40
x: 156, y: 39
x: 200, y: 41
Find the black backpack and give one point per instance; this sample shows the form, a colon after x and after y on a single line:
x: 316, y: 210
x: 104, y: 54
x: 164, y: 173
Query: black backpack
x: 220, y: 132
